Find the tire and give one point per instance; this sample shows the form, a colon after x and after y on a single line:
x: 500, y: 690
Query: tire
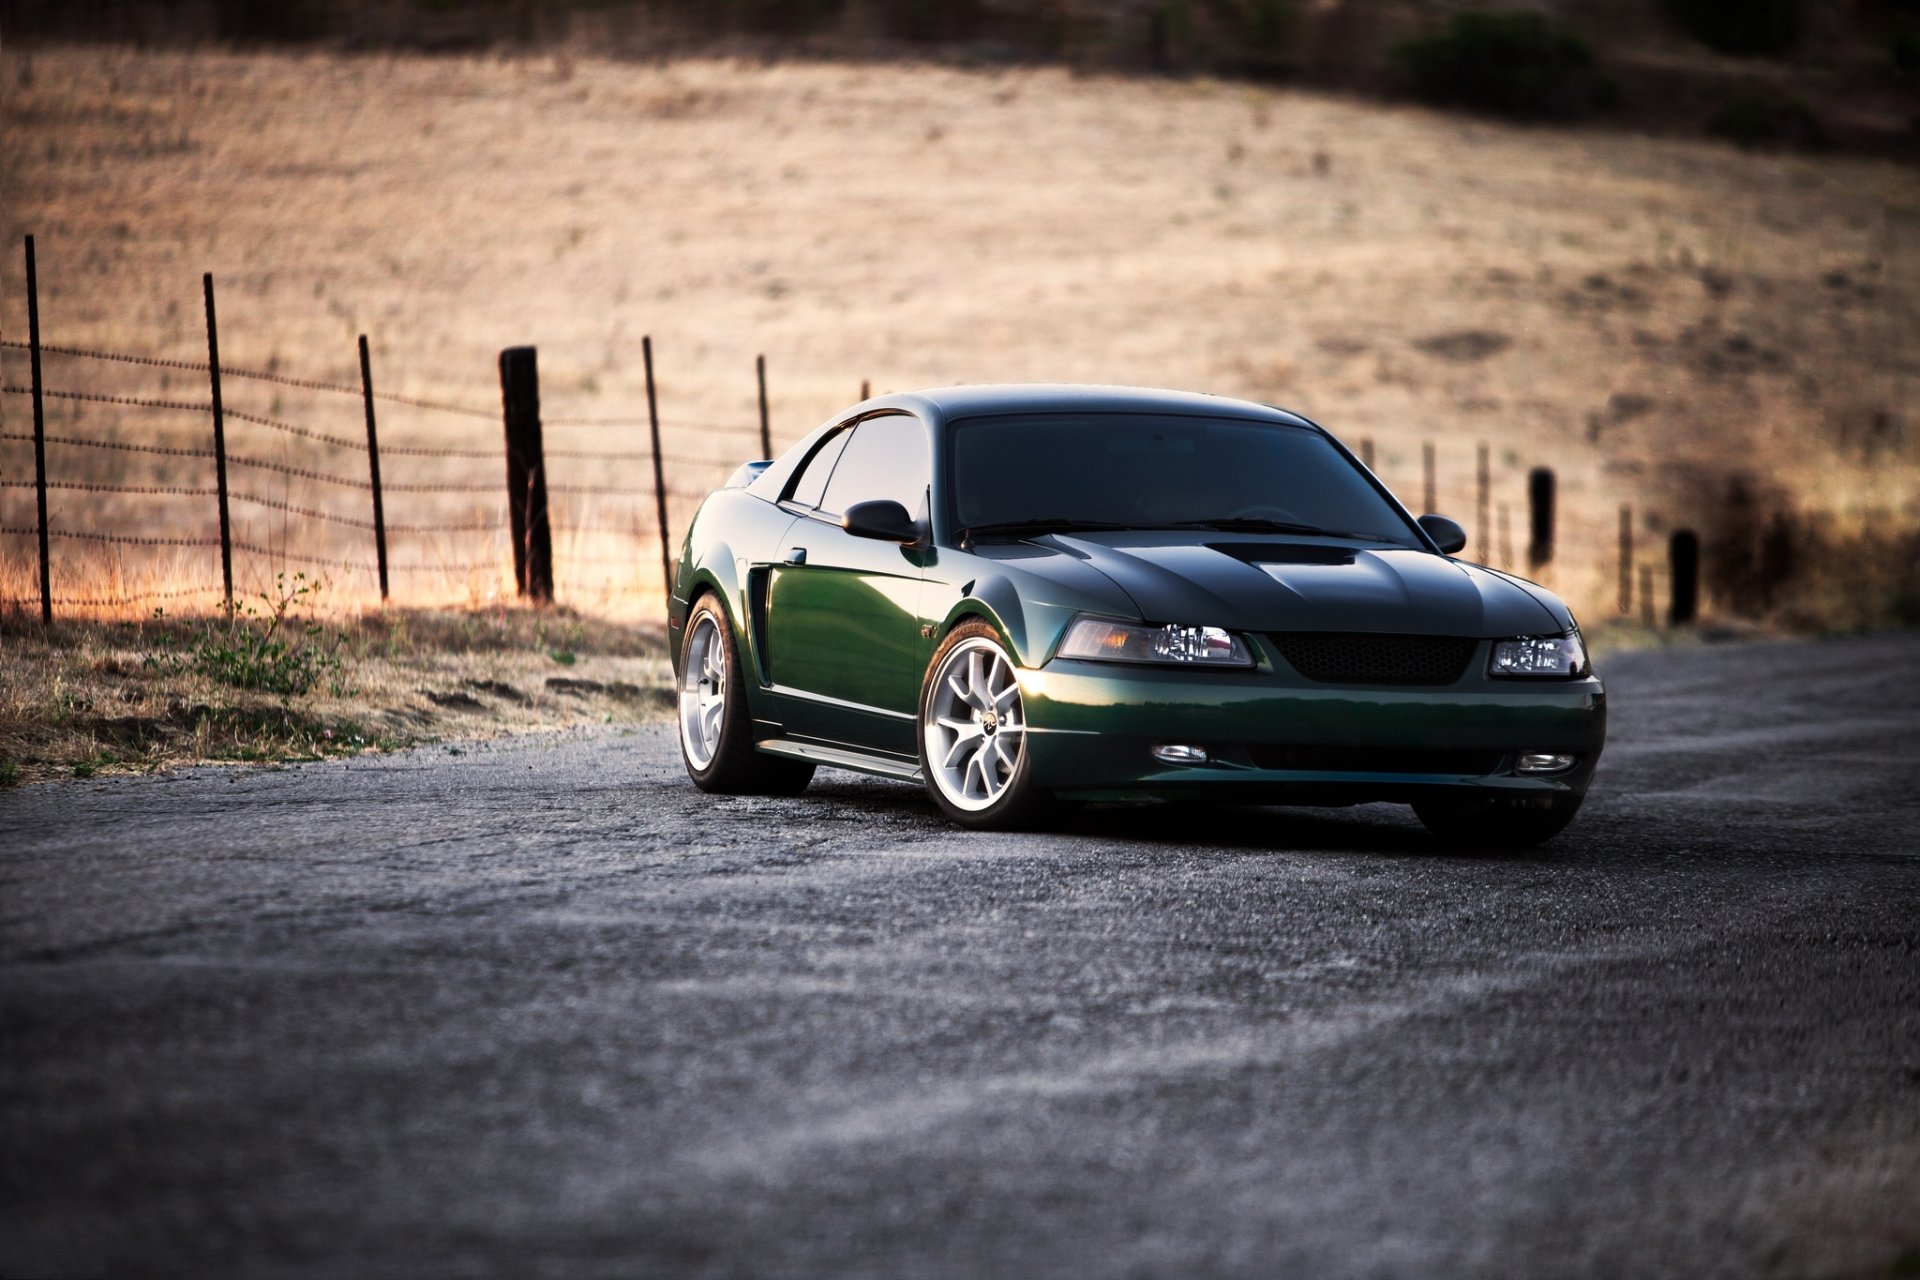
x: 716, y: 728
x: 1491, y: 824
x: 970, y: 708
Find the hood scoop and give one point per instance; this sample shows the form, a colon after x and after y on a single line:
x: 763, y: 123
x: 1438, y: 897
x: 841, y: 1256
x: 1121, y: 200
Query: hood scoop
x: 1265, y: 553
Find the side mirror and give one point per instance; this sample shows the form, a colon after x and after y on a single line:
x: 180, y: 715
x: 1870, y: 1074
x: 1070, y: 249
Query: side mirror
x: 883, y: 519
x: 1449, y: 535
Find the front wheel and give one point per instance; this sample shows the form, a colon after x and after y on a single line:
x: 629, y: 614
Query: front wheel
x: 973, y: 735
x: 1490, y: 823
x: 716, y: 728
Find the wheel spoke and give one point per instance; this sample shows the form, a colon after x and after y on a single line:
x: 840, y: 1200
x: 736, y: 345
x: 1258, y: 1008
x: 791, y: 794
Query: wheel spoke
x: 962, y: 744
x: 990, y: 779
x: 1000, y: 750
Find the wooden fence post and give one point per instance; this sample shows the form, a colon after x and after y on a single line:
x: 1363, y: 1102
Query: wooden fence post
x: 373, y: 465
x: 1540, y: 517
x: 219, y: 442
x: 1646, y: 596
x: 1366, y: 452
x: 1626, y: 560
x: 659, y: 472
x: 1683, y: 577
x: 39, y: 435
x: 526, y: 475
x: 1426, y: 468
x: 1483, y: 481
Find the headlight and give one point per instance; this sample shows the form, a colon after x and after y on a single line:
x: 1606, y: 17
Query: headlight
x: 1103, y: 641
x: 1561, y: 656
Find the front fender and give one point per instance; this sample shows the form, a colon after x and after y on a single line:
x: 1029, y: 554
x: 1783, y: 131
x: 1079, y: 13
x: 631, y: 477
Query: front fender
x: 1030, y: 628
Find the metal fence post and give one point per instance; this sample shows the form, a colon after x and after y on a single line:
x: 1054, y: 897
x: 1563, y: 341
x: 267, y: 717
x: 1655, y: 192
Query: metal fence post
x: 1366, y: 452
x: 766, y: 430
x: 659, y: 471
x: 1539, y: 517
x: 866, y: 390
x: 219, y: 442
x: 1426, y: 466
x: 526, y: 475
x: 1683, y: 577
x: 373, y: 464
x: 39, y: 436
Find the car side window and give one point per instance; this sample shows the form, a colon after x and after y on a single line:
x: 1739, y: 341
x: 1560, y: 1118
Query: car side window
x: 812, y: 481
x: 887, y: 458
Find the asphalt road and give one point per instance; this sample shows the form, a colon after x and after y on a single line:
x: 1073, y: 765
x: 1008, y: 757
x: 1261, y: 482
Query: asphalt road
x: 539, y: 1008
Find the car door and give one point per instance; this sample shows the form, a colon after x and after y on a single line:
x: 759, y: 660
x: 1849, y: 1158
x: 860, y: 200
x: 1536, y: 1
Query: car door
x: 843, y: 613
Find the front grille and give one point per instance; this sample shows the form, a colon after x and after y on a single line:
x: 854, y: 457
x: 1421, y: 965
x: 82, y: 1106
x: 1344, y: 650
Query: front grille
x: 1465, y: 761
x: 1337, y: 658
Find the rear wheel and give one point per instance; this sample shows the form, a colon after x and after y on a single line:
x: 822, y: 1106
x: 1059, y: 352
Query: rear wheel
x: 716, y: 728
x: 973, y: 735
x: 1494, y: 824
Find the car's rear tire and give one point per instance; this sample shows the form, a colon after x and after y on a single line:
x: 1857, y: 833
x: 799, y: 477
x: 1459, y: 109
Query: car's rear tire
x: 1489, y: 823
x: 716, y: 727
x: 970, y: 711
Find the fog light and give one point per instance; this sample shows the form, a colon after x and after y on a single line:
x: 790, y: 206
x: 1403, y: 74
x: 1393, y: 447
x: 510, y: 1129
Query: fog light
x: 1542, y: 762
x: 1179, y: 753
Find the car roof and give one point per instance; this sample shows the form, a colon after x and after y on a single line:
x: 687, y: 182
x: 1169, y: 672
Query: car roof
x: 1057, y: 397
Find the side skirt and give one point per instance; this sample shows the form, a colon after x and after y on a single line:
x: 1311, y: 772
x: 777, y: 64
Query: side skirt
x: 842, y: 758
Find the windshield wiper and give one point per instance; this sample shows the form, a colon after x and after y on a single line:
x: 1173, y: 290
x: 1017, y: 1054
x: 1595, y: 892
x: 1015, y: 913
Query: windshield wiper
x: 1255, y: 524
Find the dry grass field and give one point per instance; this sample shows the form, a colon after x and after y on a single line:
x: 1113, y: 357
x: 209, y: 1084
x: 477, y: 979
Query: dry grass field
x: 1665, y: 322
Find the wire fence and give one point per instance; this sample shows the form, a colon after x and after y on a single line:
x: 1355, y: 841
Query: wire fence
x: 165, y: 497
x: 130, y: 494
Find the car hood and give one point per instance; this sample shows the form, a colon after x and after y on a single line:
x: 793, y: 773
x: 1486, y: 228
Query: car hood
x: 1290, y: 585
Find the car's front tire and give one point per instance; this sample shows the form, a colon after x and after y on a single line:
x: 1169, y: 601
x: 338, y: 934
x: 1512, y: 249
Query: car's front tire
x: 973, y: 735
x: 1489, y: 823
x: 716, y: 727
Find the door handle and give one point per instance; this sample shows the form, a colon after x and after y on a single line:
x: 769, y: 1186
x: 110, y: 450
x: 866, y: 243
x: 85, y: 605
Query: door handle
x: 795, y: 555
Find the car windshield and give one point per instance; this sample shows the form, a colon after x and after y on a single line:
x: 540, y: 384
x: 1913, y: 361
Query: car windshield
x: 1029, y: 472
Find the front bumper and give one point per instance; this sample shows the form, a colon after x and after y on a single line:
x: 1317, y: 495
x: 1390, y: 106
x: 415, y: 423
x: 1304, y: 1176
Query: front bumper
x: 1274, y: 737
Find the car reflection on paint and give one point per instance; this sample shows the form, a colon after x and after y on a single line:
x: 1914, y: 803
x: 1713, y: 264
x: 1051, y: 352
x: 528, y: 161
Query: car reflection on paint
x: 1026, y: 597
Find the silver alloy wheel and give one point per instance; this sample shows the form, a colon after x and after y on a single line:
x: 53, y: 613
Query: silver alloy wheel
x: 976, y: 727
x: 703, y: 692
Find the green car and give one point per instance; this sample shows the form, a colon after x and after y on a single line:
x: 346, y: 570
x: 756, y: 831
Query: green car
x: 1026, y: 597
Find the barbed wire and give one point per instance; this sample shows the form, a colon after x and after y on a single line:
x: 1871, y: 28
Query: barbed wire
x: 278, y: 505
x: 305, y: 433
x: 134, y: 597
x: 386, y: 487
x: 282, y: 468
x: 491, y: 526
x: 445, y: 568
x: 128, y: 539
x: 599, y: 491
x: 112, y: 488
x: 185, y: 406
x: 295, y: 557
x: 258, y: 375
x: 426, y: 451
x: 78, y: 443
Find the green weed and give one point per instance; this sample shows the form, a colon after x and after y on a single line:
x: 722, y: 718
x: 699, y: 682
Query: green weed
x: 259, y: 648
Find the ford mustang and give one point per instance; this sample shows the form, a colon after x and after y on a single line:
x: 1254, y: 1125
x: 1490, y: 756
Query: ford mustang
x: 1028, y: 597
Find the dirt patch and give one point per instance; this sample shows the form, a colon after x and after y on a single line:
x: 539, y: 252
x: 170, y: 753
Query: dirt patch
x: 89, y: 698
